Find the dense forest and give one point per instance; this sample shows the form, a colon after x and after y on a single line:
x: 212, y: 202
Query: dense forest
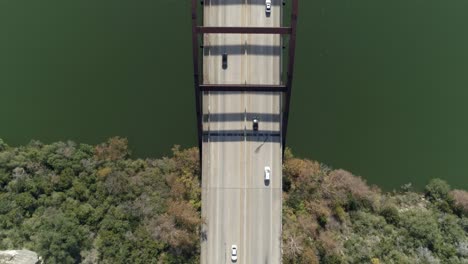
x: 77, y: 203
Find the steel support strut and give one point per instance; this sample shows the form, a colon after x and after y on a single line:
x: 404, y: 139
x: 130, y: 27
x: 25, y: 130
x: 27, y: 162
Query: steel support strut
x: 292, y: 51
x: 196, y: 78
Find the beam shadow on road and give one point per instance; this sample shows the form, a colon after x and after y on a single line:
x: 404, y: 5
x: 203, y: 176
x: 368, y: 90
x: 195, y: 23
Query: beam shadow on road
x: 232, y: 117
x: 240, y: 2
x: 240, y: 135
x: 249, y: 49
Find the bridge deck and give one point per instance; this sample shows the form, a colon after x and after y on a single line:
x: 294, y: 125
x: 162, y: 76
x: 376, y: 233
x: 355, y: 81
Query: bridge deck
x: 239, y: 207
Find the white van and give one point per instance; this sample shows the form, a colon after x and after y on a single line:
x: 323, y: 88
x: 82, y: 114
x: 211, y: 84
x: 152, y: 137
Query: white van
x: 267, y: 173
x: 268, y: 6
x: 234, y: 253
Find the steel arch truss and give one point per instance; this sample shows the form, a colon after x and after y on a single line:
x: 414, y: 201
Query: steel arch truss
x: 200, y: 87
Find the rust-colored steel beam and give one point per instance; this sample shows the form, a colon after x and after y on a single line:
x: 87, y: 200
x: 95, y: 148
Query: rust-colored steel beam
x: 242, y: 88
x: 245, y: 30
x: 196, y: 77
x: 292, y: 52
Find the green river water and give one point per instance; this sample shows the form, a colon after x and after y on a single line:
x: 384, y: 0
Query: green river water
x: 380, y: 87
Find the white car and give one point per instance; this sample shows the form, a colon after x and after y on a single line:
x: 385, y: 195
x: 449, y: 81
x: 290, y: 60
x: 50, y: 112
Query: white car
x: 267, y: 173
x: 234, y: 253
x: 268, y: 6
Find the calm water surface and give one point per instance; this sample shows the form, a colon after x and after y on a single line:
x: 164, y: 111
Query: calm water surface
x: 380, y: 86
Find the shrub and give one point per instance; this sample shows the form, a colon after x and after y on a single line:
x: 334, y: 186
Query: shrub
x: 460, y: 201
x: 464, y: 223
x: 184, y: 214
x: 329, y: 244
x: 397, y: 257
x: 301, y: 173
x: 343, y: 188
x: 367, y: 223
x: 332, y: 259
x: 406, y: 187
x: 3, y: 146
x: 451, y: 229
x: 426, y: 256
x: 309, y: 256
x: 57, y: 237
x: 187, y: 159
x: 437, y: 189
x: 298, y: 168
x: 422, y: 228
x: 340, y: 213
x: 115, y: 148
x: 319, y: 210
x: 307, y: 224
x: 102, y: 173
x: 293, y: 245
x: 462, y: 249
x: 391, y: 215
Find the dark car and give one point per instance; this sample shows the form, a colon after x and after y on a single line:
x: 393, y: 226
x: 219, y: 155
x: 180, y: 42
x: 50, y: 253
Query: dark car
x: 255, y: 124
x: 224, y: 64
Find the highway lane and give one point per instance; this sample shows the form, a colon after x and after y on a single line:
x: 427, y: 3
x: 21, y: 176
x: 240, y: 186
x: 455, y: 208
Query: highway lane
x: 237, y: 205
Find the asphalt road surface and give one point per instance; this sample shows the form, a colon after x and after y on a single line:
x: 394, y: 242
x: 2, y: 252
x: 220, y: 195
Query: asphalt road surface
x: 238, y: 206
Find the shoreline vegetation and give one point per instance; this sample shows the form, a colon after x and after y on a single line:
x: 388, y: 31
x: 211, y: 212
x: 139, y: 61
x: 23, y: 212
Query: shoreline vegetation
x: 77, y: 203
